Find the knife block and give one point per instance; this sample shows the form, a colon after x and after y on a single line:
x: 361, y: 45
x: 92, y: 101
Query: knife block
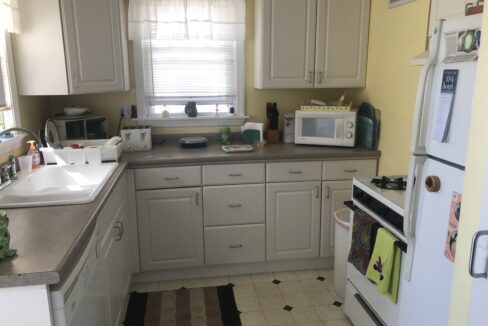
x: 273, y: 136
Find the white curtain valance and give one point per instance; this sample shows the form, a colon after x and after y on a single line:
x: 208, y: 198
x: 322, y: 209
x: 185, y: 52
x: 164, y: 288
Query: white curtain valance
x: 9, y: 16
x: 187, y: 19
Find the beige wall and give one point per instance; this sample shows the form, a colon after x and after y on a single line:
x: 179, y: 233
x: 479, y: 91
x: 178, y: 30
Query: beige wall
x: 396, y: 35
x: 475, y: 189
x: 255, y: 100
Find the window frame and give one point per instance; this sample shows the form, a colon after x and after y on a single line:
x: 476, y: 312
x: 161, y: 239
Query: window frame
x: 12, y: 99
x: 179, y: 121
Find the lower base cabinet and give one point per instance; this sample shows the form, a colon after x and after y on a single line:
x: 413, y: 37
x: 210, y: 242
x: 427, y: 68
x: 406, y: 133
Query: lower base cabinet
x: 170, y: 228
x: 234, y: 244
x: 334, y: 194
x: 292, y: 220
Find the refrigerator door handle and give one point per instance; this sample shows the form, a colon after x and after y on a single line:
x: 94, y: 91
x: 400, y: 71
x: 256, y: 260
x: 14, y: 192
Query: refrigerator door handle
x: 472, y: 256
x: 421, y: 102
x: 414, y: 185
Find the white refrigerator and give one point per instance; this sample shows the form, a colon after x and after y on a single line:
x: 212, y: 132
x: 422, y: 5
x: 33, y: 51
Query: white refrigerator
x: 436, y: 171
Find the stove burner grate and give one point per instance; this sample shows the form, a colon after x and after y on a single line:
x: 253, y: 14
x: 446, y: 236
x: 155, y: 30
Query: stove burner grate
x: 390, y: 183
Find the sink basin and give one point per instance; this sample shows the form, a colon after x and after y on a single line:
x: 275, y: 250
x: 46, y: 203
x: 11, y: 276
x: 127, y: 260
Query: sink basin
x: 57, y: 185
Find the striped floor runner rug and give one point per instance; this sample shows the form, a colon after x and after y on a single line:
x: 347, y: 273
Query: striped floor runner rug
x: 212, y: 306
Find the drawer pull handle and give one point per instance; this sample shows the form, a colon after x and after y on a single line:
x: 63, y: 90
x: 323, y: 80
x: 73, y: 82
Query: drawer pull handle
x: 234, y: 205
x: 235, y: 246
x: 350, y: 170
x: 295, y: 172
x: 171, y: 179
x: 235, y: 174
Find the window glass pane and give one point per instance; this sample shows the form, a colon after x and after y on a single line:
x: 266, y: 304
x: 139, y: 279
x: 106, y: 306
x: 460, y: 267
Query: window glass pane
x: 189, y: 68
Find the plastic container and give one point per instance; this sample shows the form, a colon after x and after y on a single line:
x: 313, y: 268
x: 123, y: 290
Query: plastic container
x: 341, y: 250
x: 25, y: 163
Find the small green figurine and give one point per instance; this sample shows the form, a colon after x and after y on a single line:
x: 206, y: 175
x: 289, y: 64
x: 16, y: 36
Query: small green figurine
x: 5, y: 251
x: 224, y: 135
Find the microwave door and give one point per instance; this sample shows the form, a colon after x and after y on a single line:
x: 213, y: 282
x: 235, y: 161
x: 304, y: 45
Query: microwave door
x: 321, y: 131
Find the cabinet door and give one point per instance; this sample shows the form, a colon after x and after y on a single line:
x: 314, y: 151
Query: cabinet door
x: 170, y: 228
x: 342, y: 43
x: 111, y: 256
x: 285, y: 43
x: 334, y: 194
x: 95, y: 45
x: 292, y: 220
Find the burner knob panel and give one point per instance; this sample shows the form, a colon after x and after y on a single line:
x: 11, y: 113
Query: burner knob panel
x: 349, y: 124
x: 348, y: 134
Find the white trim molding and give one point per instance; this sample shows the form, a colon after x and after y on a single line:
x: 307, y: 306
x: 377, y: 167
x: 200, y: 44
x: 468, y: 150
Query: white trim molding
x: 202, y: 121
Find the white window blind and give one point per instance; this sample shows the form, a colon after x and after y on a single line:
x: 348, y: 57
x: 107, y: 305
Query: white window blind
x: 178, y: 71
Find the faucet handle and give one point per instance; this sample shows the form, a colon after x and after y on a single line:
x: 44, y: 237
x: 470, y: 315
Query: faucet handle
x: 4, y: 175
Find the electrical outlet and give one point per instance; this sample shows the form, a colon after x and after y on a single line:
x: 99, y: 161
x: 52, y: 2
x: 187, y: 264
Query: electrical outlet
x: 124, y: 109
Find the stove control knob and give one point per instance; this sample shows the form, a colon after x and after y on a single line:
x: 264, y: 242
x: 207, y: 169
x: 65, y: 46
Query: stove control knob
x: 348, y: 134
x: 349, y: 124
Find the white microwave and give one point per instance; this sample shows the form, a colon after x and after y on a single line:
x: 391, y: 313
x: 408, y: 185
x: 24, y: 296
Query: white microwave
x: 333, y: 128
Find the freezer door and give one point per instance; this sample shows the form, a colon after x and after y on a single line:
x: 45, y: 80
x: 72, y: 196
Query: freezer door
x: 425, y: 299
x: 454, y: 148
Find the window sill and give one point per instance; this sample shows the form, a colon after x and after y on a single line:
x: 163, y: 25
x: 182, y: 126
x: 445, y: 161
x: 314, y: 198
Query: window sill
x: 202, y: 121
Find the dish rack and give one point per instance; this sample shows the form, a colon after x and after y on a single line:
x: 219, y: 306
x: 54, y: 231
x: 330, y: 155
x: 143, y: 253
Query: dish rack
x: 108, y: 152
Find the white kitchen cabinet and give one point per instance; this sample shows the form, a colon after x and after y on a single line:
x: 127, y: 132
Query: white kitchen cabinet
x: 71, y: 47
x: 334, y: 194
x: 114, y: 248
x: 292, y: 220
x: 311, y: 43
x: 170, y: 228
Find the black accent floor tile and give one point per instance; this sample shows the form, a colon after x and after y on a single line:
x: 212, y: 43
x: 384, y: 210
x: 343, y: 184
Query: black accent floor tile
x: 276, y: 282
x: 337, y: 303
x: 288, y: 308
x: 321, y: 278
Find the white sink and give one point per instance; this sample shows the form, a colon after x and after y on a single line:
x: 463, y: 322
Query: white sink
x: 57, y: 185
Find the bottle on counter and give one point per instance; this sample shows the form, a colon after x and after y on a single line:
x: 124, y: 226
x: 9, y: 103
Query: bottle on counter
x: 36, y: 157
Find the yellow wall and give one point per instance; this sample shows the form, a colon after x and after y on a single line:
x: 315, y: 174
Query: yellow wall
x: 474, y: 188
x: 396, y: 35
x: 255, y: 100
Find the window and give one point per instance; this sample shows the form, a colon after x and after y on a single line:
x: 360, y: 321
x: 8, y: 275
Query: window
x: 7, y: 118
x: 189, y: 51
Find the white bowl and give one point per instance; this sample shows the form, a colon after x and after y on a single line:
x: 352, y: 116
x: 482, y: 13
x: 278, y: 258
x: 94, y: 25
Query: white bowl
x: 75, y: 110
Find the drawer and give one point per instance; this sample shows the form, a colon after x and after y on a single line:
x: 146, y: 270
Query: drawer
x: 343, y: 170
x: 233, y: 174
x: 228, y: 205
x: 293, y: 171
x: 234, y: 244
x: 174, y: 177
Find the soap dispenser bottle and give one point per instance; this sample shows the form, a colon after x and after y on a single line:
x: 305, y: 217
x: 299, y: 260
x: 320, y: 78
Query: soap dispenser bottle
x: 36, y: 157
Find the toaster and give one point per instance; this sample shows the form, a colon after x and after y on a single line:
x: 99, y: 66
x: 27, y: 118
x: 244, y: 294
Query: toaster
x: 136, y: 139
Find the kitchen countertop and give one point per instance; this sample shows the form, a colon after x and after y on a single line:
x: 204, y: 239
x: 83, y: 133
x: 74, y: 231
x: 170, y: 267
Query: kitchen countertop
x: 170, y: 153
x: 50, y: 239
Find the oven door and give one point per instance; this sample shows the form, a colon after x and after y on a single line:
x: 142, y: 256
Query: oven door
x: 319, y: 128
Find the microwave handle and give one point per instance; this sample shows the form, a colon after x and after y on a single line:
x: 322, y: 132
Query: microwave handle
x: 339, y: 128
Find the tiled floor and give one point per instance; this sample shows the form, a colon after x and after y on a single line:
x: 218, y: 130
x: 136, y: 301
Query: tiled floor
x: 302, y: 298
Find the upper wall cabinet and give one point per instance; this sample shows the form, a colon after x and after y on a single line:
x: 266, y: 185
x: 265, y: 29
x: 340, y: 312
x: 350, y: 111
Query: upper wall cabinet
x: 71, y: 47
x: 311, y: 43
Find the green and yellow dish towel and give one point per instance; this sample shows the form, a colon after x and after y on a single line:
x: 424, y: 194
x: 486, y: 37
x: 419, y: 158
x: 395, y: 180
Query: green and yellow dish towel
x: 384, y: 266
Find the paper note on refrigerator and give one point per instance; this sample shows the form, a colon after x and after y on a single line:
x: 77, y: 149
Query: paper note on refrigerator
x: 452, y: 228
x: 445, y: 105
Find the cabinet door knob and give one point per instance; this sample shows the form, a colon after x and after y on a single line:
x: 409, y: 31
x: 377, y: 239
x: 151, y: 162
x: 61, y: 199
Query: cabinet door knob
x: 118, y: 234
x: 327, y: 192
x: 171, y: 178
x: 319, y: 77
x: 234, y: 205
x: 121, y: 225
x: 310, y: 75
x: 350, y: 170
x: 197, y: 199
x: 235, y: 174
x: 235, y: 246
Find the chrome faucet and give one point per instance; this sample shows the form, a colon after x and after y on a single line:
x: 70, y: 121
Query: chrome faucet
x: 27, y: 131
